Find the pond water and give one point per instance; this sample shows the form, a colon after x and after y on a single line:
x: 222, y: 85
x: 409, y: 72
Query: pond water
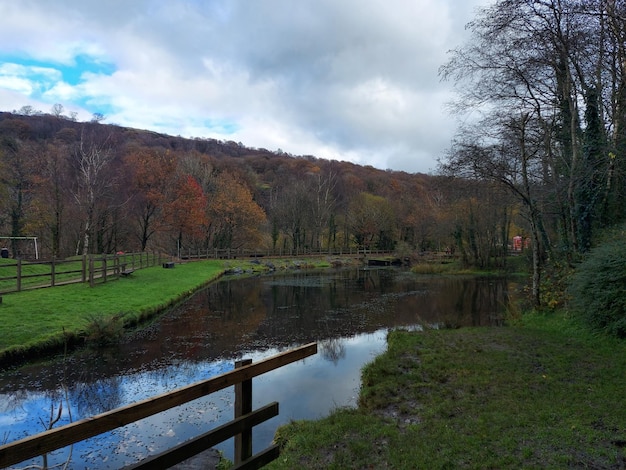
x: 348, y: 312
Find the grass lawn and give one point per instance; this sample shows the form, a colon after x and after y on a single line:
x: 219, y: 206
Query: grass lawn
x: 540, y: 394
x: 37, y: 320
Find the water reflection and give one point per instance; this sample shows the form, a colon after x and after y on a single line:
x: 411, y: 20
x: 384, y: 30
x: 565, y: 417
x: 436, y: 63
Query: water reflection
x: 332, y: 349
x: 347, y: 312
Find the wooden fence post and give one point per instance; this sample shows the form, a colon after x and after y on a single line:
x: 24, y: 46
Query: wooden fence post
x: 243, y: 405
x: 52, y: 273
x: 91, y: 269
x: 19, y: 275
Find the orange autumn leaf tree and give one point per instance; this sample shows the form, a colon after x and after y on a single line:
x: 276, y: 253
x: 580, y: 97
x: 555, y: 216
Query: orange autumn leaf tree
x: 236, y: 219
x: 186, y: 212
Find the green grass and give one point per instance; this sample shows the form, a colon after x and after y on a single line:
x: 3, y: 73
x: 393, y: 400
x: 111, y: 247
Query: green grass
x: 42, y: 319
x: 540, y: 394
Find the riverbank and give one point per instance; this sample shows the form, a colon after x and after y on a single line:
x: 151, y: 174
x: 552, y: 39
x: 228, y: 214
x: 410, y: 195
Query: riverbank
x: 41, y: 322
x: 541, y: 393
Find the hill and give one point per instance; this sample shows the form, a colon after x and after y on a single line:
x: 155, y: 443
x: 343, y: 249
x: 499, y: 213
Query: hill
x: 89, y: 187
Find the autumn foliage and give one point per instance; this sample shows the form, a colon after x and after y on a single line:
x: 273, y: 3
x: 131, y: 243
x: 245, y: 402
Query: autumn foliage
x: 95, y: 188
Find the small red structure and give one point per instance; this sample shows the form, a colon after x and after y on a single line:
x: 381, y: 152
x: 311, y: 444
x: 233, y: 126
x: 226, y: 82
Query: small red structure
x: 520, y: 243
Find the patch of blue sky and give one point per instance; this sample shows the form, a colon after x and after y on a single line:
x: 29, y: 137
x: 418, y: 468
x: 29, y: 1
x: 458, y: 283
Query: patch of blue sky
x: 198, y: 128
x: 222, y: 126
x: 28, y: 79
x: 82, y: 64
x: 106, y: 109
x: 71, y: 73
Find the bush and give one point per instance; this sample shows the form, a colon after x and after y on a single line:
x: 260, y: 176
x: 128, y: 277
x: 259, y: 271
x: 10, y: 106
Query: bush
x: 598, y: 288
x: 103, y: 330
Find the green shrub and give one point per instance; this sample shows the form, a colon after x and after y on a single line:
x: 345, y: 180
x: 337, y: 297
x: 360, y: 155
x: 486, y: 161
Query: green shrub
x: 104, y: 330
x: 598, y: 288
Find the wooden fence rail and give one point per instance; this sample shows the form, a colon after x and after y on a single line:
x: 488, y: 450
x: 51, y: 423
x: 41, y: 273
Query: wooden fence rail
x: 19, y: 275
x: 51, y: 440
x: 247, y: 253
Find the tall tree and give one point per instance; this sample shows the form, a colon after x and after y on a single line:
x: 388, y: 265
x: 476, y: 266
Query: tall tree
x: 614, y: 102
x: 322, y: 181
x: 14, y: 177
x: 186, y: 211
x: 150, y: 177
x: 236, y: 220
x: 371, y: 221
x: 93, y: 155
x: 292, y: 211
x: 50, y: 183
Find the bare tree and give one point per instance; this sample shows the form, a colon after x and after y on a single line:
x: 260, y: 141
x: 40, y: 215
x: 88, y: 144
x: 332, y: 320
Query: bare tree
x: 292, y: 211
x: 323, y: 184
x: 49, y: 192
x: 57, y: 110
x: 92, y: 160
x: 15, y: 181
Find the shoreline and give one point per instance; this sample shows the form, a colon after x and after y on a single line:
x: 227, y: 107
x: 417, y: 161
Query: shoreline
x: 77, y: 330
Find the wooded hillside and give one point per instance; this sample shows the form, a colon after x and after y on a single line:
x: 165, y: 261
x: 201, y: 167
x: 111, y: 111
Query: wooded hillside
x: 89, y: 187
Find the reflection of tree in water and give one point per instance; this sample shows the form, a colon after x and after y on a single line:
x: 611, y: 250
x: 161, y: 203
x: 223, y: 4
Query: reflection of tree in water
x: 12, y: 400
x: 97, y: 397
x: 472, y: 302
x: 332, y: 349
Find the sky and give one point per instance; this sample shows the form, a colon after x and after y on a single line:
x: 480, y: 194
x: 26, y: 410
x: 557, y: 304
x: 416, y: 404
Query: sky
x: 348, y: 80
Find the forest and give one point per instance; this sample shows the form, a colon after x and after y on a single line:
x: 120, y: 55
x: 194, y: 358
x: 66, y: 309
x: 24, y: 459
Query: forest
x: 541, y: 155
x: 89, y: 187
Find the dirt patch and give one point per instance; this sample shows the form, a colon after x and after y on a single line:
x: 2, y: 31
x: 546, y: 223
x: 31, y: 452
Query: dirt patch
x: 405, y: 415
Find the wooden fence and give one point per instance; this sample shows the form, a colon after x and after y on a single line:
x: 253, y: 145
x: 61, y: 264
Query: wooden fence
x: 240, y: 427
x: 246, y: 253
x: 17, y: 276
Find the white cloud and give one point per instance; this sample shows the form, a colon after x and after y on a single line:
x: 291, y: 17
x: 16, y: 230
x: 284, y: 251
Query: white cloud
x: 353, y: 79
x: 20, y: 85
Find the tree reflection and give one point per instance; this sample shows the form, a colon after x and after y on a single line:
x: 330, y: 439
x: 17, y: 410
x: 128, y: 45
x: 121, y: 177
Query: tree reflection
x: 98, y: 396
x: 332, y: 349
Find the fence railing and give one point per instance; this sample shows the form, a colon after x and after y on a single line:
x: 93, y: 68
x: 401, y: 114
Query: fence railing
x: 240, y: 427
x: 233, y: 253
x: 18, y: 275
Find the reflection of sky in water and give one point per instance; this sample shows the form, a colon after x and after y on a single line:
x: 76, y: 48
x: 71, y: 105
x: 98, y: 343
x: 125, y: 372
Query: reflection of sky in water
x: 239, y: 319
x: 308, y: 389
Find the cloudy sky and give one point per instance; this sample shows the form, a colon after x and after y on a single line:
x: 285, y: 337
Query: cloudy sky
x: 352, y: 80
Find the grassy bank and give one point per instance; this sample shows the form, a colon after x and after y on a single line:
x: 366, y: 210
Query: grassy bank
x: 540, y: 394
x: 37, y: 322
